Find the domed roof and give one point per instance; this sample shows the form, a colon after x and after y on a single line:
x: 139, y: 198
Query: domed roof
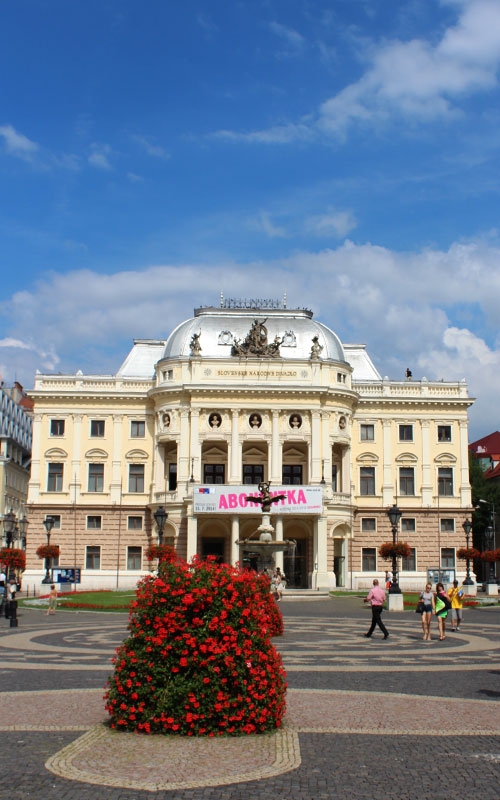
x: 221, y: 331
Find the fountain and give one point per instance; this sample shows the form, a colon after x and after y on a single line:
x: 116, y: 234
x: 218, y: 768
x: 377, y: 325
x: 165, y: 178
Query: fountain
x: 265, y: 546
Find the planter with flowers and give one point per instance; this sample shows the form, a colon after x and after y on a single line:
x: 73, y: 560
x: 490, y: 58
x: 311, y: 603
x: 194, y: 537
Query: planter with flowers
x: 13, y: 559
x: 48, y: 551
x: 159, y: 552
x: 199, y: 660
x: 491, y: 556
x: 468, y: 553
x: 390, y: 550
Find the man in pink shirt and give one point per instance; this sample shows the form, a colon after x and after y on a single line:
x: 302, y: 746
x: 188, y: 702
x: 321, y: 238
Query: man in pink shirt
x: 376, y: 598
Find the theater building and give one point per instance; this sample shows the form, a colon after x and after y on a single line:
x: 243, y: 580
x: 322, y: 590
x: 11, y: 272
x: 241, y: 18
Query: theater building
x: 246, y: 392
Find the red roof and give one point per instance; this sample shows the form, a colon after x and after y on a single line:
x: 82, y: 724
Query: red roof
x: 487, y: 447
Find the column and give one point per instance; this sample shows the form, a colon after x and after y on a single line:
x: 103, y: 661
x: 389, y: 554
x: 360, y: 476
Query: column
x: 184, y: 462
x: 115, y: 484
x: 75, y: 480
x: 388, y: 488
x: 235, y: 475
x: 275, y: 472
x: 278, y: 528
x: 465, y: 490
x: 326, y: 450
x: 426, y: 465
x: 320, y: 578
x: 159, y: 476
x: 315, y: 447
x: 34, y: 484
x: 195, y: 450
x: 192, y: 537
x: 235, y: 535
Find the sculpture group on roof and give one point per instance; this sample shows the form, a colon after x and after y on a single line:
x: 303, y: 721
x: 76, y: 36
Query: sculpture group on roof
x: 255, y: 343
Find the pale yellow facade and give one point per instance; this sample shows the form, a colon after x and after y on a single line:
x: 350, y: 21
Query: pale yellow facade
x: 192, y: 425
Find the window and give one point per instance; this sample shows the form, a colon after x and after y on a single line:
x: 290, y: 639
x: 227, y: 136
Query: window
x: 368, y: 524
x: 445, y: 482
x: 97, y: 427
x: 55, y: 478
x: 447, y: 558
x: 134, y: 523
x: 340, y: 377
x: 93, y: 557
x: 292, y: 475
x: 172, y: 477
x: 406, y: 433
x: 137, y: 429
x: 94, y: 523
x: 367, y: 481
x: 136, y: 478
x: 410, y: 564
x: 334, y: 477
x: 444, y: 433
x: 253, y: 473
x: 406, y: 481
x: 57, y: 521
x: 57, y: 427
x: 96, y: 477
x: 367, y: 433
x: 447, y: 525
x: 134, y: 558
x: 214, y: 473
x: 408, y: 525
x: 369, y: 559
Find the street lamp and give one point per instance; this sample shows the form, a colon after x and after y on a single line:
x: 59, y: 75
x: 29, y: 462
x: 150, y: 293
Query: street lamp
x: 160, y: 517
x: 394, y: 515
x: 10, y: 527
x: 48, y: 524
x: 467, y: 526
x: 490, y: 539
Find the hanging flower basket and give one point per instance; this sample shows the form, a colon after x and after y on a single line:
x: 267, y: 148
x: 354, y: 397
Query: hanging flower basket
x: 468, y: 553
x: 162, y: 552
x: 388, y: 550
x: 491, y: 555
x: 48, y: 551
x: 13, y: 559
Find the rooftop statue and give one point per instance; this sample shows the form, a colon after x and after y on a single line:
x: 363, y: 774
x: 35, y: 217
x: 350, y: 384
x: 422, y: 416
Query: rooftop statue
x: 256, y: 343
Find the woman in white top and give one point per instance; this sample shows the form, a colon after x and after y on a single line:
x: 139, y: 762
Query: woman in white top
x: 427, y: 598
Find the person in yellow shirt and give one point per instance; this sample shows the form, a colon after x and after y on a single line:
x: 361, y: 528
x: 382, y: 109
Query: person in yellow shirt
x: 456, y: 596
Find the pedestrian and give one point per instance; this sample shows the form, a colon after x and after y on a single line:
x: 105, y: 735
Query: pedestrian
x: 427, y: 598
x: 456, y: 596
x: 376, y: 598
x: 441, y: 606
x: 52, y: 600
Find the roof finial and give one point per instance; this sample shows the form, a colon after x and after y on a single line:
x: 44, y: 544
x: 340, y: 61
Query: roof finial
x: 222, y: 299
x: 284, y: 300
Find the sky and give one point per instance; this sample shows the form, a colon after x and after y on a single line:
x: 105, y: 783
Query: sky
x: 154, y: 154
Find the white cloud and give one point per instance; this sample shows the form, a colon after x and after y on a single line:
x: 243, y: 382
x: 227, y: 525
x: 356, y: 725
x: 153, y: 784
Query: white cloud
x: 294, y: 42
x: 150, y: 147
x: 17, y: 144
x: 264, y: 223
x: 99, y: 157
x: 335, y: 223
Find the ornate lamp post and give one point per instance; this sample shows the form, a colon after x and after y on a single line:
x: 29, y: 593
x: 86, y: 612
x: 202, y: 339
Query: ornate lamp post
x: 10, y: 528
x: 490, y: 540
x: 48, y: 524
x: 467, y: 526
x: 160, y: 517
x: 394, y: 515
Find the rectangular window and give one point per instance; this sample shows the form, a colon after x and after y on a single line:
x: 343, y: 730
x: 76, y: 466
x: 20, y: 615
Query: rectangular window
x: 444, y: 433
x: 368, y: 524
x: 406, y: 433
x: 214, y: 473
x: 172, y: 477
x: 367, y: 433
x: 93, y: 557
x: 408, y: 525
x: 57, y: 427
x: 134, y: 523
x: 96, y: 478
x: 55, y: 478
x: 445, y: 482
x: 136, y: 478
x: 369, y: 559
x: 406, y: 481
x: 292, y: 475
x: 57, y: 521
x: 334, y: 477
x: 137, y: 429
x: 94, y: 523
x: 97, y: 427
x: 253, y: 473
x: 134, y: 558
x: 447, y: 557
x: 410, y: 564
x: 367, y: 481
x: 447, y: 525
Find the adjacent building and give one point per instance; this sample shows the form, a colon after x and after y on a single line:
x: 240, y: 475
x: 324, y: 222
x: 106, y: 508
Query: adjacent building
x: 15, y: 459
x: 246, y: 392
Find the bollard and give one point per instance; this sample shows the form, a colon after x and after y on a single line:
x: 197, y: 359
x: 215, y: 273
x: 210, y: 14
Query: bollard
x: 13, y: 614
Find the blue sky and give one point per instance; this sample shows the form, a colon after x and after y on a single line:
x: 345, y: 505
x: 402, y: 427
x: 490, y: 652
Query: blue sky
x: 154, y: 154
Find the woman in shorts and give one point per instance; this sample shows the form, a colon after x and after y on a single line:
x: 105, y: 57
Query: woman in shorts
x: 427, y: 599
x: 441, y: 606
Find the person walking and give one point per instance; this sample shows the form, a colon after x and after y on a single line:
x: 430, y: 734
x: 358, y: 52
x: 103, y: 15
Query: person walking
x: 456, y: 596
x: 441, y: 606
x: 427, y: 599
x: 376, y: 598
x: 52, y: 600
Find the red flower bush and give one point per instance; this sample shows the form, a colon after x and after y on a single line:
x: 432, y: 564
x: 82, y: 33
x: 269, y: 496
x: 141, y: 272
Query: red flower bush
x: 389, y: 549
x: 12, y: 558
x: 199, y: 659
x: 491, y: 555
x: 468, y: 553
x: 48, y: 551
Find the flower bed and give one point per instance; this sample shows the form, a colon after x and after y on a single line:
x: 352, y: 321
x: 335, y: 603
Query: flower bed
x: 199, y: 659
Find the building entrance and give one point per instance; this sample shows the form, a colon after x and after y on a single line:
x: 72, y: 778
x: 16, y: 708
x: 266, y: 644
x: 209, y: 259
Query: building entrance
x: 212, y: 547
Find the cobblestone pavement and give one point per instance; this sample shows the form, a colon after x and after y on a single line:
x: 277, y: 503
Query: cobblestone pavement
x: 371, y: 719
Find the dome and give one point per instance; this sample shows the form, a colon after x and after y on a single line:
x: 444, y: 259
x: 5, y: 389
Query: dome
x: 219, y: 330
